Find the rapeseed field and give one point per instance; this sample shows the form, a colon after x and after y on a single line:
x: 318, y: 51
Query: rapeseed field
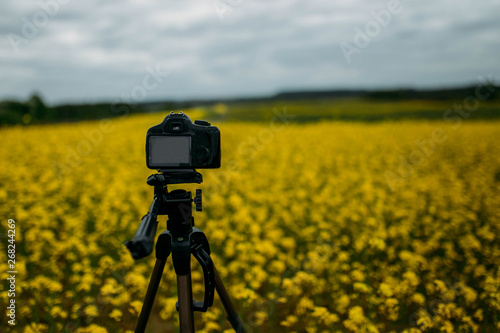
x: 314, y: 227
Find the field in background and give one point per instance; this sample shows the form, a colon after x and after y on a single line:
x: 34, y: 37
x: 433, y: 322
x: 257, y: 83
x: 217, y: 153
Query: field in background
x: 356, y: 109
x: 315, y: 227
x: 307, y: 106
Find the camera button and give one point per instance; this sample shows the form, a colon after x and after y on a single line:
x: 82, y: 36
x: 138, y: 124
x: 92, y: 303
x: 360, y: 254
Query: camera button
x: 202, y: 122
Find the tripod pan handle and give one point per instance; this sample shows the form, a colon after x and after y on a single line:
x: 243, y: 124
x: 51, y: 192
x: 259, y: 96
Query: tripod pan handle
x: 142, y: 244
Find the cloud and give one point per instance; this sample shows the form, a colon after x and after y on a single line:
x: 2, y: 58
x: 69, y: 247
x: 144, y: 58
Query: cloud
x: 94, y: 50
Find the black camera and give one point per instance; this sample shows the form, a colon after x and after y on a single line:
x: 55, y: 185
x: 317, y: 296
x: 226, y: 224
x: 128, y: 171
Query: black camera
x: 177, y: 143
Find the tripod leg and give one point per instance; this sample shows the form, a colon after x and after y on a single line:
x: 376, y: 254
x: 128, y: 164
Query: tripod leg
x: 185, y: 293
x: 232, y: 315
x: 150, y: 295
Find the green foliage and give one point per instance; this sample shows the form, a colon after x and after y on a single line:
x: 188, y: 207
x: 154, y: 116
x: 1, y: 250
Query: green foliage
x: 11, y: 112
x: 34, y: 111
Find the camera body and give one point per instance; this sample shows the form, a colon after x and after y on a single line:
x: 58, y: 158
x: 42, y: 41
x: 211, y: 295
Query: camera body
x: 178, y: 143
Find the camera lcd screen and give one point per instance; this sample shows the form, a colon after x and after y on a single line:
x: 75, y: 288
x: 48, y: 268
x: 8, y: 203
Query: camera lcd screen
x: 169, y: 151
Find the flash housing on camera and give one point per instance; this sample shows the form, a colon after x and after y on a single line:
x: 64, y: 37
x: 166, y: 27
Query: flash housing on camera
x: 177, y: 143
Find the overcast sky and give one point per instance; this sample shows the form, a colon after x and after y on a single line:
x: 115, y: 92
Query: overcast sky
x: 98, y: 50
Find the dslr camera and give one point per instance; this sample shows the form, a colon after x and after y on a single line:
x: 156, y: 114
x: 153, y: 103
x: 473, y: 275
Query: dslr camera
x: 177, y: 143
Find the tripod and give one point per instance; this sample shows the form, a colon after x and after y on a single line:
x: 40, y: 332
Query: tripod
x: 181, y: 239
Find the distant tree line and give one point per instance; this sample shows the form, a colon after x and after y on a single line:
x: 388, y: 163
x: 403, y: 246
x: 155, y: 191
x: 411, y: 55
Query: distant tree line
x: 435, y: 94
x: 394, y: 94
x: 34, y: 111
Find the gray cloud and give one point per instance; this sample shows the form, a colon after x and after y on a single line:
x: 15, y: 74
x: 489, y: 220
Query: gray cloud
x: 97, y: 50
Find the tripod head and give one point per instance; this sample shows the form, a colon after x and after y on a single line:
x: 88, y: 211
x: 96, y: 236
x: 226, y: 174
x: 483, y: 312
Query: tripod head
x: 180, y: 176
x: 176, y: 204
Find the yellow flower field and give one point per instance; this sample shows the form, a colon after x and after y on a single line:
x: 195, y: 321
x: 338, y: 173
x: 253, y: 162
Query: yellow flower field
x: 323, y: 227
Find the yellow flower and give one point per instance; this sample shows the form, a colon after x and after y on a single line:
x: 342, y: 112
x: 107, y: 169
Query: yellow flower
x: 304, y: 305
x: 36, y: 328
x: 91, y: 311
x: 289, y: 321
x: 361, y: 287
x: 479, y: 315
x: 116, y: 314
x: 385, y: 289
x: 57, y: 311
x: 358, y: 275
x: 136, y: 307
x: 418, y: 298
x: 356, y: 315
x: 470, y: 294
x: 92, y: 329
